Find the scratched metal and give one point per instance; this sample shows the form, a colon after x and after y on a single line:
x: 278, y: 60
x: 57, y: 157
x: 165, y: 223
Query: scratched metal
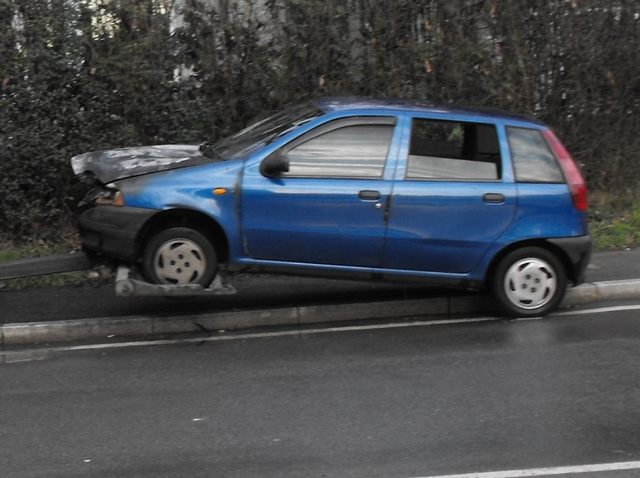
x: 121, y: 163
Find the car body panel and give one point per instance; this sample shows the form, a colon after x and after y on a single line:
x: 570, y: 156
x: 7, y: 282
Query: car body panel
x: 338, y: 221
x: 443, y: 226
x: 192, y: 189
x: 314, y: 221
x: 545, y: 211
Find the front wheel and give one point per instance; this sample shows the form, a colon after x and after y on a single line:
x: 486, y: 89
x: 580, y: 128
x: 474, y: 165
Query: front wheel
x: 179, y: 256
x: 529, y: 282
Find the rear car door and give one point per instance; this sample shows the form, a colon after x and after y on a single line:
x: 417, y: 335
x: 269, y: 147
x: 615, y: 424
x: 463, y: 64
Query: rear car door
x: 450, y: 201
x: 329, y: 207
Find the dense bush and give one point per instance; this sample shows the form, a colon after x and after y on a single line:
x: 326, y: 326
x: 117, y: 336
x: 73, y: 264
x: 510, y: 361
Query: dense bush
x: 78, y: 75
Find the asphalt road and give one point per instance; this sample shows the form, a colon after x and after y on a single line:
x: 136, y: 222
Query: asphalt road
x: 396, y: 401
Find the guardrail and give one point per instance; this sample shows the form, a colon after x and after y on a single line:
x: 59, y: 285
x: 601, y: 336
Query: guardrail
x: 127, y: 283
x: 74, y: 261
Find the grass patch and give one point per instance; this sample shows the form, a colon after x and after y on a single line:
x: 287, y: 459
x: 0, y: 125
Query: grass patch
x: 614, y: 220
x: 619, y: 233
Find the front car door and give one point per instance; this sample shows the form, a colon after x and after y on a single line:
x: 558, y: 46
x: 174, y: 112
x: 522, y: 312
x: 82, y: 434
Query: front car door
x: 329, y: 207
x: 450, y: 201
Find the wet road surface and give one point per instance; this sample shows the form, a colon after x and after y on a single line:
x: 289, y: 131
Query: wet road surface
x: 401, y: 400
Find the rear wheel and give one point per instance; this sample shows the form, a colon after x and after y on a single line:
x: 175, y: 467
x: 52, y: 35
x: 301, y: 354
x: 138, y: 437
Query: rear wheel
x: 179, y: 256
x: 529, y: 282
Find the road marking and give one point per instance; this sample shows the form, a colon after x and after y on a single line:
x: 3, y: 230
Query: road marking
x: 23, y: 354
x: 562, y: 470
x: 256, y: 335
x: 601, y: 310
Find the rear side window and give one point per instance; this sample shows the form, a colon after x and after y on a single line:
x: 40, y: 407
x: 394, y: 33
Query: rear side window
x: 533, y: 160
x: 453, y: 151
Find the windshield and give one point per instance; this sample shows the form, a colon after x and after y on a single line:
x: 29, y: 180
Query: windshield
x: 262, y: 132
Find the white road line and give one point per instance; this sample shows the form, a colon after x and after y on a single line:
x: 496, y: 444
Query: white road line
x: 289, y: 333
x: 562, y: 470
x: 601, y: 310
x: 256, y: 335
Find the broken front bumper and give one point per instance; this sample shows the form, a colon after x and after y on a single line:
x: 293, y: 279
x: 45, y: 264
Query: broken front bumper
x: 113, y: 231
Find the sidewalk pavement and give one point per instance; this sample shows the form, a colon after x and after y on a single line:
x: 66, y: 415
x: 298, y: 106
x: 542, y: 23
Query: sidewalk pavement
x: 93, y: 313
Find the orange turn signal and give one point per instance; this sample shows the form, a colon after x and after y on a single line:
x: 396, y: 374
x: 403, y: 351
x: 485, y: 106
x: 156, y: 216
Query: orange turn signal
x: 119, y: 199
x: 219, y: 191
x: 116, y: 200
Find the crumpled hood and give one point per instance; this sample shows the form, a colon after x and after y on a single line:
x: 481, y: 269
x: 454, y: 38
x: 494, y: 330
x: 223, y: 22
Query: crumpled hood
x: 122, y: 163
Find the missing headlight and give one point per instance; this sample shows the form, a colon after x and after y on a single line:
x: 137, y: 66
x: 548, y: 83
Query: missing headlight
x: 103, y: 195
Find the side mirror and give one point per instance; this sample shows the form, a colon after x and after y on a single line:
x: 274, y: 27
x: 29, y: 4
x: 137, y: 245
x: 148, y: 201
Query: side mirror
x: 274, y: 165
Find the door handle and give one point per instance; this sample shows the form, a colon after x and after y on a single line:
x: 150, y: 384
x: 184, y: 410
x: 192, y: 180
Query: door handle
x: 493, y: 198
x: 369, y: 195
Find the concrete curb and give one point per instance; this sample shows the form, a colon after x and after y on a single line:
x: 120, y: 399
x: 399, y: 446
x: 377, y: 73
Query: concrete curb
x: 100, y: 328
x: 610, y: 290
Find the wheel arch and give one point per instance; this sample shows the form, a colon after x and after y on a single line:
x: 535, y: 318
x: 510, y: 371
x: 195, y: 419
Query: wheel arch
x: 185, y: 218
x: 541, y: 243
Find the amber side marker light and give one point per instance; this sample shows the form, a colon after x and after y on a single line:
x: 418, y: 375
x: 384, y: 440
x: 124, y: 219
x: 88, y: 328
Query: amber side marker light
x: 219, y: 191
x: 116, y: 200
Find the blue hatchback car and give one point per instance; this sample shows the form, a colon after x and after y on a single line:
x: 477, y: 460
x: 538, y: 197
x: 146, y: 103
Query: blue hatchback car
x: 354, y: 188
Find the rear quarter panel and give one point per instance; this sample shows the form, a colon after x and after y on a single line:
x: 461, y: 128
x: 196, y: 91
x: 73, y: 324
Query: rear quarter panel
x: 545, y: 210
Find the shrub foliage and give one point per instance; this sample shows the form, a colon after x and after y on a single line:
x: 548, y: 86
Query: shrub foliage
x: 79, y: 75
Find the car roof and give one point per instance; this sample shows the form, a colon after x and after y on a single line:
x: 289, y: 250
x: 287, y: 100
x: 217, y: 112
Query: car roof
x: 336, y: 104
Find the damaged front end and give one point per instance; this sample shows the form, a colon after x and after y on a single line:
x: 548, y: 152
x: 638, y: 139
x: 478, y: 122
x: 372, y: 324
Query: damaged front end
x: 102, y: 195
x: 108, y: 224
x: 99, y: 170
x: 116, y: 164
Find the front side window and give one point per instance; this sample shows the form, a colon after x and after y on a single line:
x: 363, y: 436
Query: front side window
x: 352, y: 151
x: 453, y: 151
x: 533, y: 160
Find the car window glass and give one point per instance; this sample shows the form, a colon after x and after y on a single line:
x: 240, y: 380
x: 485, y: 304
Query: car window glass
x: 265, y: 131
x: 356, y: 151
x: 449, y: 150
x: 533, y: 161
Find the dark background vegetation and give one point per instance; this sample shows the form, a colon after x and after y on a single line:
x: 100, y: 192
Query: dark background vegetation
x: 80, y: 75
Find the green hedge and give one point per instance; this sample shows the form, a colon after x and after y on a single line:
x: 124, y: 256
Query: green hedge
x: 95, y: 74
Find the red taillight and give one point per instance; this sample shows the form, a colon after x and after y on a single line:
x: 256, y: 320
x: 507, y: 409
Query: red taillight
x: 576, y: 182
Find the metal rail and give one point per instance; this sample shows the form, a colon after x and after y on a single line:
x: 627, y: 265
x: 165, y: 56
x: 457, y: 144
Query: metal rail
x: 127, y: 283
x: 74, y: 261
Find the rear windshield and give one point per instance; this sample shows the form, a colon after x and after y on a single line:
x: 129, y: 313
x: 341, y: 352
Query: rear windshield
x: 263, y: 132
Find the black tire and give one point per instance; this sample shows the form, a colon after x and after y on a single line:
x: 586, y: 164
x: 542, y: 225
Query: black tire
x: 178, y: 256
x: 529, y: 282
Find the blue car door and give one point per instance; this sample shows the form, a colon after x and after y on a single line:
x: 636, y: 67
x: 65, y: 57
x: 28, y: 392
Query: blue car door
x: 329, y: 207
x: 450, y: 201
